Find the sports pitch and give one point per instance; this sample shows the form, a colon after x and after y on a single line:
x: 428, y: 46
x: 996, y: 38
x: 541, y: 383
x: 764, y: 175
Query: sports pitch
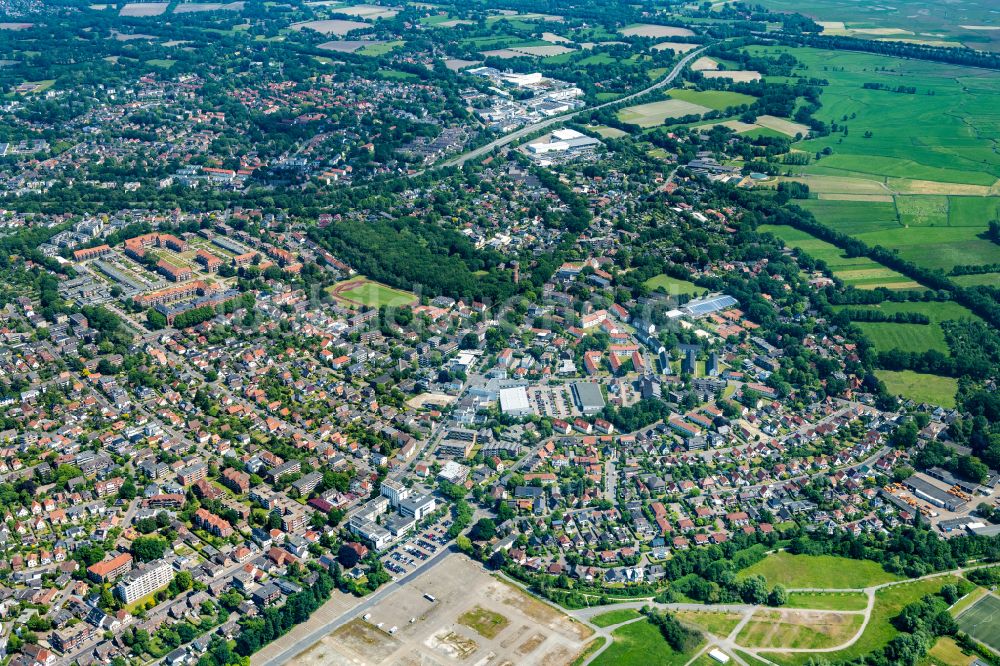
x: 982, y: 621
x: 362, y: 291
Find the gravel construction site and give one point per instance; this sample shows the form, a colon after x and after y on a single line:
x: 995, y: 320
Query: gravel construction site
x: 474, y: 618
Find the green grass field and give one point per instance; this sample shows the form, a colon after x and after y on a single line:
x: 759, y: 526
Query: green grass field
x: 655, y: 113
x: 905, y: 337
x: 848, y: 601
x: 880, y: 630
x: 720, y: 623
x: 797, y: 630
x: 672, y: 285
x: 640, y: 644
x: 818, y: 571
x: 615, y: 617
x: 912, y: 194
x: 982, y: 621
x: 949, y: 149
x: 859, y: 272
x: 851, y: 217
x: 372, y: 294
x: 713, y: 99
x: 375, y: 50
x: 917, y: 17
x: 946, y: 652
x: 920, y: 387
x: 912, y: 337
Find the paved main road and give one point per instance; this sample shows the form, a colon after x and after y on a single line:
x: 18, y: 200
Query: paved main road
x: 304, y: 643
x: 459, y: 160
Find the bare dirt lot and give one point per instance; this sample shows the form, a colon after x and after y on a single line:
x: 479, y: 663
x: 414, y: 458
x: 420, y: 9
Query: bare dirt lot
x: 475, y: 619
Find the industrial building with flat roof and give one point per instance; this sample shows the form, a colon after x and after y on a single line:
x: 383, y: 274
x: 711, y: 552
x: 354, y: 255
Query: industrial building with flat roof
x: 514, y: 401
x: 933, y: 494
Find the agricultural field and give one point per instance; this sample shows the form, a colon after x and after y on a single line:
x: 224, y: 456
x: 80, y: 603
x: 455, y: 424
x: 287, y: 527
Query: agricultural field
x: 349, y: 45
x: 635, y: 643
x: 365, y: 292
x: 737, y: 75
x: 369, y: 12
x: 911, y: 337
x: 141, y: 9
x: 188, y: 7
x: 853, y: 217
x: 972, y: 23
x: 655, y: 113
x: 818, y: 571
x: 379, y: 48
x: 331, y: 26
x: 799, y: 629
x: 859, y: 272
x: 782, y: 125
x: 651, y: 30
x: 920, y: 387
x: 982, y: 621
x: 929, y: 196
x: 676, y: 47
x: 713, y: 99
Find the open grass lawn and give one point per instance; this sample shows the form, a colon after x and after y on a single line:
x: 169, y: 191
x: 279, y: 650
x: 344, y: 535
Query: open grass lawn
x: 713, y: 99
x: 888, y: 603
x: 615, y: 617
x: 720, y: 624
x: 946, y: 652
x: 852, y: 217
x: 672, y: 285
x: 484, y: 622
x: 920, y: 387
x: 905, y: 337
x: 641, y: 644
x: 859, y: 272
x: 379, y: 49
x: 799, y: 629
x: 982, y: 621
x: 936, y: 247
x: 818, y: 571
x: 912, y: 337
x: 848, y: 601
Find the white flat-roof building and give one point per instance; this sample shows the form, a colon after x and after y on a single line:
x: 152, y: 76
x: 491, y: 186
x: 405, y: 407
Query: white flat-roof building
x: 514, y: 401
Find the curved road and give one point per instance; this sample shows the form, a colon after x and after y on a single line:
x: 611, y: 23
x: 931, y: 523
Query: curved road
x: 459, y: 160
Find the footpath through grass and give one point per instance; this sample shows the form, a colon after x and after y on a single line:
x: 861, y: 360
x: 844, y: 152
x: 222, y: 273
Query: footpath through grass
x: 846, y: 601
x: 615, y: 617
x: 641, y: 644
x: 889, y: 602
